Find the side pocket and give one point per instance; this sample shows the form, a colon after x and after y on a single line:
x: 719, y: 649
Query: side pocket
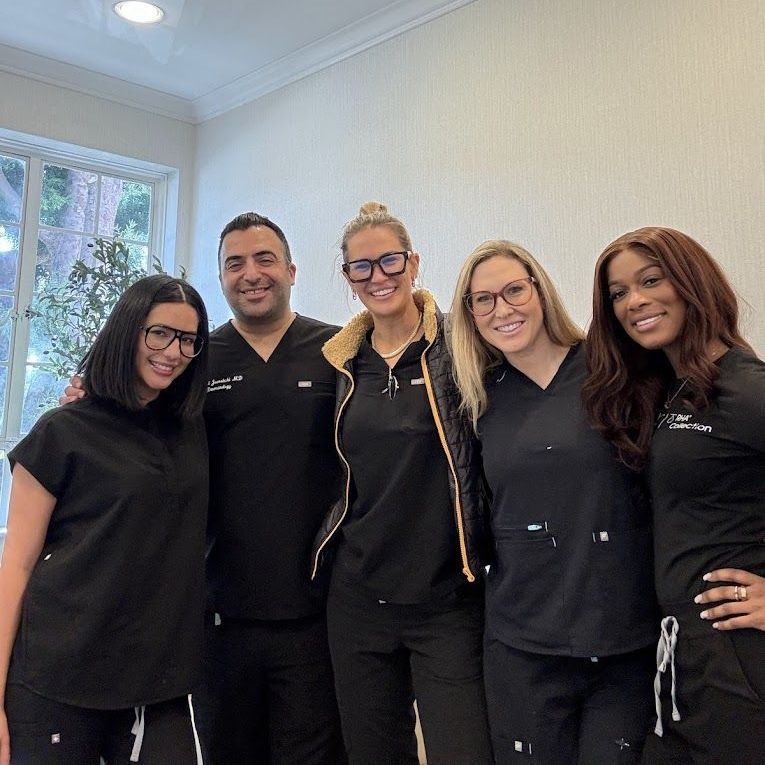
x: 747, y: 652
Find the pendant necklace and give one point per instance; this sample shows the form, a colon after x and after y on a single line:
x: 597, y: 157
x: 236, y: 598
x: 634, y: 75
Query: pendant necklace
x: 401, y: 348
x: 392, y: 387
x: 670, y: 399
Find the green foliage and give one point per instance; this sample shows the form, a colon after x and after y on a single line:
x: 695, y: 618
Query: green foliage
x: 74, y: 313
x: 55, y: 194
x: 132, y: 218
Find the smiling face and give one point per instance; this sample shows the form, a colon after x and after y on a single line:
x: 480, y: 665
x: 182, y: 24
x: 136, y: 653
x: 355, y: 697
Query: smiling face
x: 645, y: 302
x: 383, y: 296
x: 255, y: 276
x: 156, y: 370
x: 513, y: 330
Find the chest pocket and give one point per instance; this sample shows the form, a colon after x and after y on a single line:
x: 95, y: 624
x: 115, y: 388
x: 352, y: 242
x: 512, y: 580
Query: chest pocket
x: 315, y: 407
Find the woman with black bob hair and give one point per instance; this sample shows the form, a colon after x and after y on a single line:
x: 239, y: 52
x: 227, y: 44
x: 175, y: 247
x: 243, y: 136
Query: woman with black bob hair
x: 101, y: 584
x: 676, y: 389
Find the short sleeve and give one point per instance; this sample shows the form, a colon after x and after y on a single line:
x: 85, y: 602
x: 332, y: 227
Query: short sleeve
x: 46, y: 451
x: 750, y: 412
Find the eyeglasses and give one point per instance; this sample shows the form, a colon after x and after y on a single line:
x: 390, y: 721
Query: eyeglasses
x: 391, y: 264
x: 515, y: 293
x: 158, y: 337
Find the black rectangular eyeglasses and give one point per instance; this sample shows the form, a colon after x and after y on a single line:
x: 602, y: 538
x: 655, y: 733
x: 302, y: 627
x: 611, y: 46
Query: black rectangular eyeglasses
x: 158, y: 337
x: 390, y: 263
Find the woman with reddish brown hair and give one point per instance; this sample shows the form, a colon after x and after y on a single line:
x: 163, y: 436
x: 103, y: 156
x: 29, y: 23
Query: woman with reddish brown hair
x: 679, y: 392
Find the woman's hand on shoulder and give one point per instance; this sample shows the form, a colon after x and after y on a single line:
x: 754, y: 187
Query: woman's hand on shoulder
x: 744, y: 596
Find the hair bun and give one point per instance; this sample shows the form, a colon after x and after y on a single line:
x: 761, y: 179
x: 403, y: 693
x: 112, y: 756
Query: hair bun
x: 372, y: 208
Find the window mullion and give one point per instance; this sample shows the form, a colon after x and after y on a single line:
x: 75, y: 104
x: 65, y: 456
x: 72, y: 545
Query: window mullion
x: 27, y: 264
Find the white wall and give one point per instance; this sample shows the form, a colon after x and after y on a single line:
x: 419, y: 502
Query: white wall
x: 557, y: 123
x: 65, y: 116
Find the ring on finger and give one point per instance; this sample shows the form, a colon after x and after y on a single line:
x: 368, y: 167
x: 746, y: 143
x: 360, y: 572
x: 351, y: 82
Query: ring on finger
x: 741, y: 592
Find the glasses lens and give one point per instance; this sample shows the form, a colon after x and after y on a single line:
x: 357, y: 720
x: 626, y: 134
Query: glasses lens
x: 480, y: 303
x: 358, y: 270
x: 393, y: 263
x: 159, y: 337
x: 191, y: 345
x: 518, y: 292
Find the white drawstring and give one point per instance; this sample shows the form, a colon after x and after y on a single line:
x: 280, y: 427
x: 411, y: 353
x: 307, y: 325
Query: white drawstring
x: 196, y: 735
x: 137, y: 730
x: 665, y: 653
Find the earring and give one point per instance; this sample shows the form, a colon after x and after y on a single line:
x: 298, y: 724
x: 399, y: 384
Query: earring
x: 413, y: 284
x: 355, y: 296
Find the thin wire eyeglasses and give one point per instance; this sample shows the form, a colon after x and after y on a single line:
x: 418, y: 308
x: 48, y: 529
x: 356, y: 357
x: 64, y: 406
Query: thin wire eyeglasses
x: 158, y: 337
x: 515, y: 293
x: 390, y: 263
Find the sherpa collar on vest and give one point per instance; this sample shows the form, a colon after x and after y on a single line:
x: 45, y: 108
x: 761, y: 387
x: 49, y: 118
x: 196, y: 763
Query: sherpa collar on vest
x: 346, y: 343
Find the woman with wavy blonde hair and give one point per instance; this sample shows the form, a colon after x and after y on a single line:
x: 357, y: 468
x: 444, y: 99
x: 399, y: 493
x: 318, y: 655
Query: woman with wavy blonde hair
x: 570, y: 617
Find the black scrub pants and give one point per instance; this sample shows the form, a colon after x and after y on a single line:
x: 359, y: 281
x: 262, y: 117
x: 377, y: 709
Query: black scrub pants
x: 269, y: 696
x: 720, y: 696
x: 385, y: 656
x: 563, y: 710
x: 46, y: 732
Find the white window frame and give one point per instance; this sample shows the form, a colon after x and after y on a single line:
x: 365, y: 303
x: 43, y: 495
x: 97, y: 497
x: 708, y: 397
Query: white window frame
x: 37, y: 152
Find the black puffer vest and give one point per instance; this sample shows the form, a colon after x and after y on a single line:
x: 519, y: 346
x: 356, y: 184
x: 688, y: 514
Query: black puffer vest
x: 457, y: 438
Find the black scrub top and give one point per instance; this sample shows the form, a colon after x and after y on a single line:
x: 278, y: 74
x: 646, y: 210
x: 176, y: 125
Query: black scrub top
x: 707, y: 479
x: 399, y: 539
x: 112, y: 615
x: 572, y: 573
x: 274, y: 471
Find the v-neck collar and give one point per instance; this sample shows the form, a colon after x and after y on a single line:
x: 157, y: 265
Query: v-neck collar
x: 256, y: 357
x: 554, y: 382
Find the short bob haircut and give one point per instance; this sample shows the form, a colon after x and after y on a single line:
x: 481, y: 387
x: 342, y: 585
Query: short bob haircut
x: 626, y: 381
x: 109, y: 368
x: 472, y: 355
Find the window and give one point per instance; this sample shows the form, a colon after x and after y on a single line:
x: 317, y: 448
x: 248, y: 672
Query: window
x: 51, y: 208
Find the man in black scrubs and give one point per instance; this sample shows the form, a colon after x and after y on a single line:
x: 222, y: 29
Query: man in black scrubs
x: 273, y: 474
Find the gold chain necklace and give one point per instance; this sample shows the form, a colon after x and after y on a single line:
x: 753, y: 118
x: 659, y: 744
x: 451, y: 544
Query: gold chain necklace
x: 401, y: 348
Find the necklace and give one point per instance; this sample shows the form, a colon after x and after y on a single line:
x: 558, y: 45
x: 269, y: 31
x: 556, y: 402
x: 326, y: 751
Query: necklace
x: 401, y: 348
x: 391, y: 389
x: 670, y: 399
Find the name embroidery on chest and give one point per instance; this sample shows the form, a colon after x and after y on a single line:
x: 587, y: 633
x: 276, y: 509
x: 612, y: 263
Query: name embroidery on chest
x: 223, y: 383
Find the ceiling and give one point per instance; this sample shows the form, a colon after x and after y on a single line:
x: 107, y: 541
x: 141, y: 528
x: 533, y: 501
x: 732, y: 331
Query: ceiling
x: 206, y: 57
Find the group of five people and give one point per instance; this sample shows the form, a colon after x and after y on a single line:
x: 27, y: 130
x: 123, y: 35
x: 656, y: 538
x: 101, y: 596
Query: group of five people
x: 361, y: 481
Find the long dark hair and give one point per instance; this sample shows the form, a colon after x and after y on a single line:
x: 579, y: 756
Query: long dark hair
x: 109, y: 368
x: 626, y: 381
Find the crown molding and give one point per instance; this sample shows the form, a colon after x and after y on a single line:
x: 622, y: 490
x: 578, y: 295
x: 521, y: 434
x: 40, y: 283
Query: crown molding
x: 346, y: 42
x: 373, y: 29
x: 61, y: 75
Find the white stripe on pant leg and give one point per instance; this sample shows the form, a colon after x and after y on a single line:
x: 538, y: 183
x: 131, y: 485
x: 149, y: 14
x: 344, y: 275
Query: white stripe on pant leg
x: 196, y: 735
x: 138, y: 729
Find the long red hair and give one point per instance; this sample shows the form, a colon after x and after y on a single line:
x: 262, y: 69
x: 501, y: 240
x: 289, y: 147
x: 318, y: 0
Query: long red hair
x: 627, y: 382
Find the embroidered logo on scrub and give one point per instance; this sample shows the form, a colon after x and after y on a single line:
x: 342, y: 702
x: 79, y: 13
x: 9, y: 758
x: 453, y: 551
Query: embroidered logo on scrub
x: 680, y: 422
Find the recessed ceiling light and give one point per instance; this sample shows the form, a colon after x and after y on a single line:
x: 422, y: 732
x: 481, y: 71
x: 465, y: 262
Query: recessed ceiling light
x: 139, y: 12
